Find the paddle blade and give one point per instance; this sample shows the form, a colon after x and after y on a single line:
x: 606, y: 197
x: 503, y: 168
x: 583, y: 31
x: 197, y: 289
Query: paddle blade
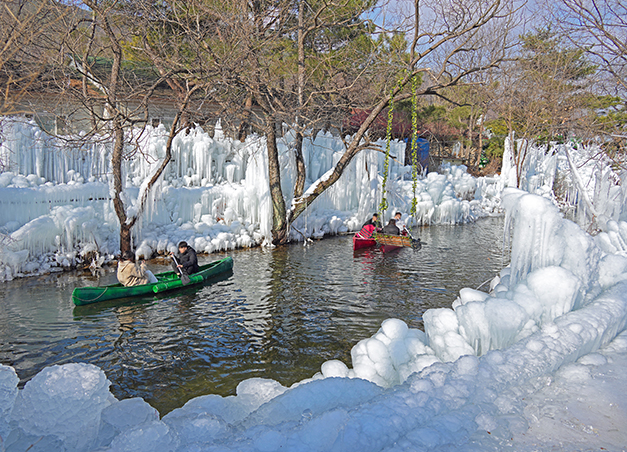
x: 184, y: 278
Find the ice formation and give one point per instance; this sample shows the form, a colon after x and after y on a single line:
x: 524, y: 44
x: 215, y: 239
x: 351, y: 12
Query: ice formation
x: 56, y: 209
x: 473, y: 380
x: 572, y: 175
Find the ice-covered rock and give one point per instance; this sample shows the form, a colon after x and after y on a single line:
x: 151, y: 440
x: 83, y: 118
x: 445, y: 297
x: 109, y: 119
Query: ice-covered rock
x: 121, y: 416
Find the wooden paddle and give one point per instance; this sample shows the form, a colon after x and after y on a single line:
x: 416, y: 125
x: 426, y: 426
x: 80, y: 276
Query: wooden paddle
x: 184, y: 278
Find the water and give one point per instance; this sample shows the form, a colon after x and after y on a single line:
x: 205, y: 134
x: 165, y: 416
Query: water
x: 280, y: 314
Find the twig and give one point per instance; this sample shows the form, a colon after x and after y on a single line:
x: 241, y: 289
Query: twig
x: 305, y: 238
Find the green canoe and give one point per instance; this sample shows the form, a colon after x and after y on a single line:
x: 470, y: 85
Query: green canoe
x: 166, y: 281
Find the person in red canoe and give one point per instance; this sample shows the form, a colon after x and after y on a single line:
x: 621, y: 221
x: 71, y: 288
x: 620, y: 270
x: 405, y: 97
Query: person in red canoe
x: 374, y: 221
x: 391, y: 228
x: 399, y: 223
x: 370, y: 227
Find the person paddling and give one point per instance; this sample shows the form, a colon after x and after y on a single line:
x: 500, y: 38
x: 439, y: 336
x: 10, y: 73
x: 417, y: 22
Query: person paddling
x: 399, y: 223
x: 374, y: 221
x: 186, y: 259
x: 132, y: 274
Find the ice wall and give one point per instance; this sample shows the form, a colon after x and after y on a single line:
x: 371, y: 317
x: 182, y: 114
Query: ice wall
x: 214, y: 193
x: 573, y: 175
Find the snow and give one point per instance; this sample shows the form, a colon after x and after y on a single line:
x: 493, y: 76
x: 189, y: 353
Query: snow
x: 534, y: 363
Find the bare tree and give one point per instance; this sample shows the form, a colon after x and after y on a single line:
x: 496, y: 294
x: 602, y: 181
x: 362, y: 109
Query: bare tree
x: 450, y: 31
x: 600, y: 28
x: 117, y: 100
x: 25, y: 30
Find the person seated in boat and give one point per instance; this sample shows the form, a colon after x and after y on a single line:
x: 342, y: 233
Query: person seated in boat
x: 391, y: 228
x: 186, y: 259
x: 399, y: 223
x: 374, y: 221
x: 370, y: 227
x: 131, y: 273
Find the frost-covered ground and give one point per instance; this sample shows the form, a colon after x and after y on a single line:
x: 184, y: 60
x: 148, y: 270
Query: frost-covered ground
x: 535, y: 363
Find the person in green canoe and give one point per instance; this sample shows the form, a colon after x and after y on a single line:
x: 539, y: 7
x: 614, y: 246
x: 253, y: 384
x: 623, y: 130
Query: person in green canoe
x: 186, y: 259
x: 131, y: 273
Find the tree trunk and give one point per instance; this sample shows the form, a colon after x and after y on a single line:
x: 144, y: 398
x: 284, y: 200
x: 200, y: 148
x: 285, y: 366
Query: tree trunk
x: 299, y: 186
x: 478, y: 161
x: 245, y: 124
x: 118, y: 188
x: 279, y: 223
x: 125, y: 238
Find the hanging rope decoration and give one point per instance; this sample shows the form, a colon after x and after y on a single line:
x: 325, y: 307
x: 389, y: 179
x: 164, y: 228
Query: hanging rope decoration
x: 414, y: 143
x: 383, y: 206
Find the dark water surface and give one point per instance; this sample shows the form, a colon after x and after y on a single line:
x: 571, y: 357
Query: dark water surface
x: 280, y: 314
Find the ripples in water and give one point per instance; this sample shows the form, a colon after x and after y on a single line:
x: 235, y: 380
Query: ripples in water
x: 280, y: 314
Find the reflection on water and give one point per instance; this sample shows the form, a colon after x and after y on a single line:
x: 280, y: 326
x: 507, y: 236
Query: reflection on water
x: 280, y: 314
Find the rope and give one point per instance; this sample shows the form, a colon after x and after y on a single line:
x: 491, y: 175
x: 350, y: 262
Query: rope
x: 386, y: 165
x: 414, y: 145
x: 94, y: 299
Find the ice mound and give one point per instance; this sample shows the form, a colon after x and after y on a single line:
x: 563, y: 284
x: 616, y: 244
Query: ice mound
x: 148, y: 437
x: 123, y: 415
x: 8, y: 393
x: 61, y: 403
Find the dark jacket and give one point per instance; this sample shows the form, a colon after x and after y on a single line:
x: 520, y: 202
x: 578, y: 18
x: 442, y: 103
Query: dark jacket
x: 391, y: 229
x: 188, y: 260
x: 376, y: 224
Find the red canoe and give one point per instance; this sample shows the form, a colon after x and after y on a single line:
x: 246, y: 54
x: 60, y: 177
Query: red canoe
x: 359, y: 243
x: 363, y: 239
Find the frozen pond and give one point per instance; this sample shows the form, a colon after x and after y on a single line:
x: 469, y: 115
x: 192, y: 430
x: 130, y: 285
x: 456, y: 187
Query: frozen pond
x: 280, y: 315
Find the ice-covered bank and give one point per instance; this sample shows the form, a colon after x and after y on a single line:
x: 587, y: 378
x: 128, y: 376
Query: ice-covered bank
x: 498, y: 370
x: 56, y: 209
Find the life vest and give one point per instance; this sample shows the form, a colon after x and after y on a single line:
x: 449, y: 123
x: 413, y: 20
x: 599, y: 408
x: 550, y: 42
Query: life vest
x: 366, y: 231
